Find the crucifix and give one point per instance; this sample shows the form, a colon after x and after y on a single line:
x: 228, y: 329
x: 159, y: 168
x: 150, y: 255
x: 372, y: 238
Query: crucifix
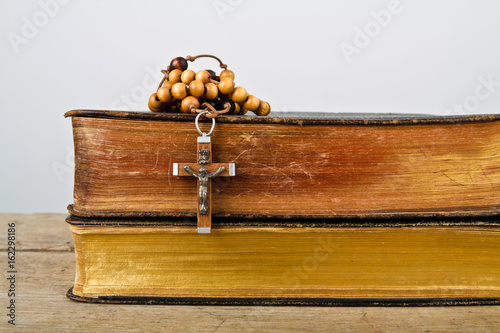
x: 204, y: 170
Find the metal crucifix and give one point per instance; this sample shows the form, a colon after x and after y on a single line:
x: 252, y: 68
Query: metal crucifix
x: 204, y: 170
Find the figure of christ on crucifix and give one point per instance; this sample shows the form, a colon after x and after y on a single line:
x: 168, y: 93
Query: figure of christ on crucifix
x: 204, y: 178
x: 205, y: 171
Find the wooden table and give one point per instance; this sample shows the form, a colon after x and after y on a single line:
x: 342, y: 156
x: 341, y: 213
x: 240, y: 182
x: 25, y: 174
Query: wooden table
x: 46, y: 267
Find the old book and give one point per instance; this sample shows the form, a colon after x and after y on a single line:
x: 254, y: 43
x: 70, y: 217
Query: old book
x: 287, y: 262
x: 301, y: 165
x: 307, y: 209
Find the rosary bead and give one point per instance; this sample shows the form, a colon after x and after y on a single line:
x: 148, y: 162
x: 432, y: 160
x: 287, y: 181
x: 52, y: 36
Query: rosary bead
x: 252, y: 103
x: 226, y: 86
x: 239, y: 95
x: 211, y: 91
x: 223, y: 102
x: 264, y: 109
x: 243, y: 110
x: 196, y: 88
x: 187, y: 76
x: 203, y: 76
x: 188, y: 103
x: 164, y: 95
x: 179, y: 91
x: 179, y: 63
x: 237, y: 108
x: 155, y: 104
x: 227, y: 73
x: 213, y: 76
x: 175, y: 76
x: 168, y: 84
x: 212, y: 102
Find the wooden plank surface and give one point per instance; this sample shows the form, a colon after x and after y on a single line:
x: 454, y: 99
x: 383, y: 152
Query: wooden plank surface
x: 45, y: 265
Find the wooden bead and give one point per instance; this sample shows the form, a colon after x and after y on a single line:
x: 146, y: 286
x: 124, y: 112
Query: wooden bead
x: 213, y: 76
x: 226, y: 85
x: 252, y: 103
x: 212, y: 102
x: 237, y: 108
x: 243, y: 110
x: 264, y: 109
x: 239, y: 95
x: 179, y: 63
x: 227, y: 73
x: 164, y: 95
x: 224, y: 102
x: 196, y: 88
x: 179, y: 91
x: 188, y: 103
x: 168, y: 84
x: 211, y: 91
x: 155, y: 104
x: 175, y: 76
x: 187, y: 76
x: 203, y: 76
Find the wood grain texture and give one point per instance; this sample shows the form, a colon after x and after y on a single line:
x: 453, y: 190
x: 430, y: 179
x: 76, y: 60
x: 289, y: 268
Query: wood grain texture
x: 46, y: 273
x: 290, y: 169
x: 204, y: 220
x: 429, y: 262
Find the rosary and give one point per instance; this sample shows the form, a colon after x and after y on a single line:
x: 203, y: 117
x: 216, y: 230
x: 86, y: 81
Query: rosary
x: 183, y: 90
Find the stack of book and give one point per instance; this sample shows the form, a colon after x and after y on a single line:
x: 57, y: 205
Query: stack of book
x: 323, y: 209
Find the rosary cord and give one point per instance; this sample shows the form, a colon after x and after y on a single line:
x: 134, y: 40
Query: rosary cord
x: 165, y: 77
x: 222, y: 65
x: 212, y: 112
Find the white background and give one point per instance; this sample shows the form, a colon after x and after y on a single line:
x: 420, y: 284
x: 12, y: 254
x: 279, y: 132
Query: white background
x: 428, y: 56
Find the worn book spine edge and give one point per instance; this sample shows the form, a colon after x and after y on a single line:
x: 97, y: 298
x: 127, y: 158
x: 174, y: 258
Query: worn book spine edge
x: 391, y: 215
x: 293, y: 118
x: 286, y: 301
x: 288, y: 223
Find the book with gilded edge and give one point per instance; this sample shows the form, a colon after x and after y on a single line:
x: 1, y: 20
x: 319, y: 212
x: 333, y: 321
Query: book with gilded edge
x: 324, y: 209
